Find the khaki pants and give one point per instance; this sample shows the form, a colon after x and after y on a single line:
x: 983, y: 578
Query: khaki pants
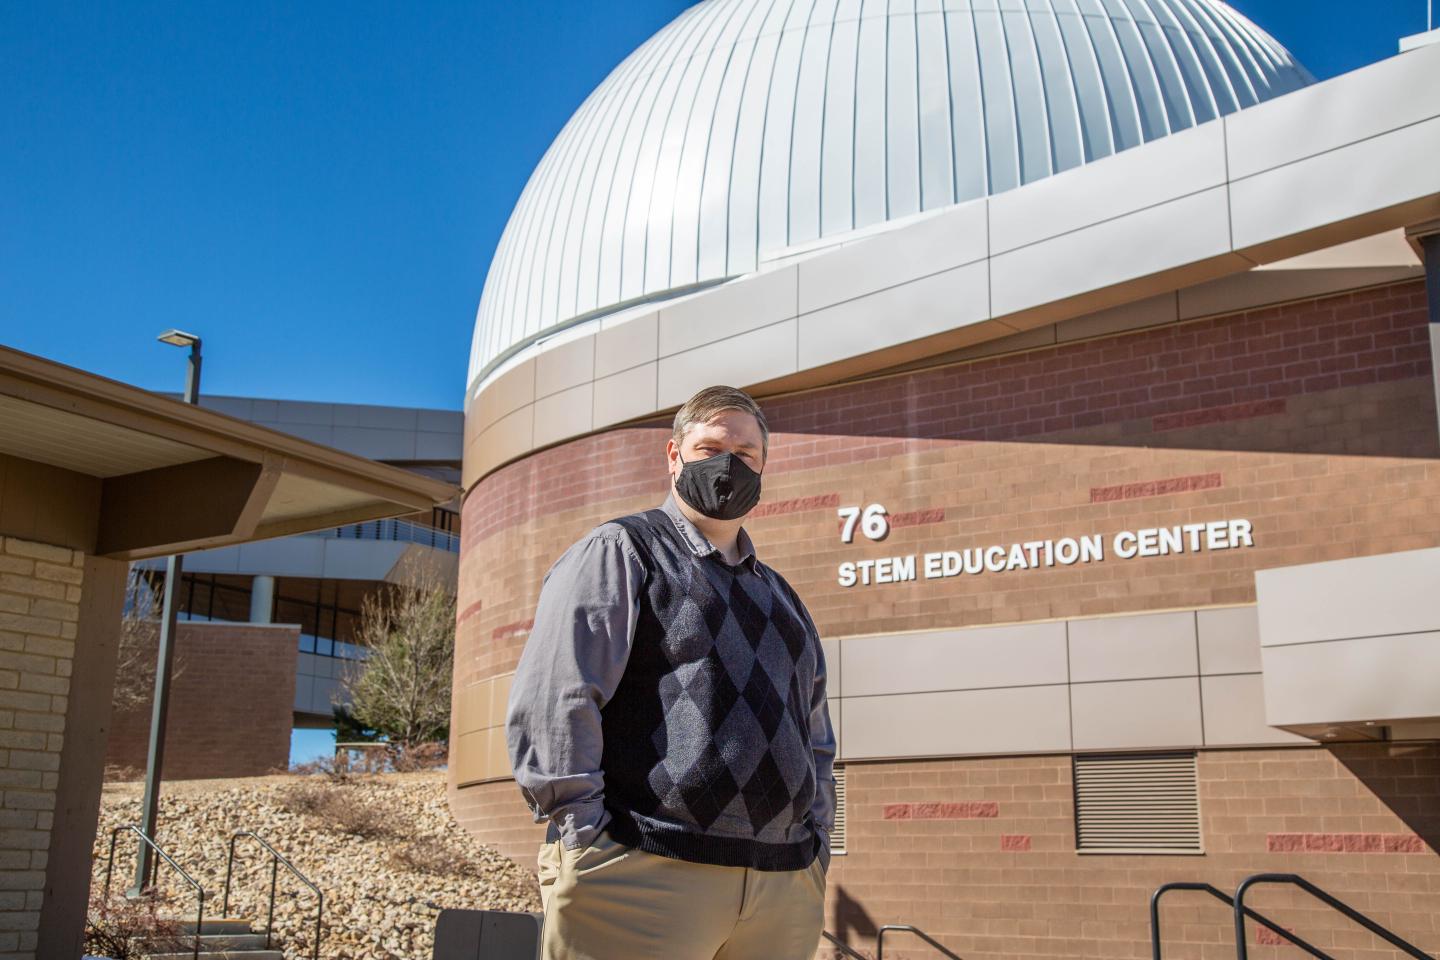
x: 613, y: 902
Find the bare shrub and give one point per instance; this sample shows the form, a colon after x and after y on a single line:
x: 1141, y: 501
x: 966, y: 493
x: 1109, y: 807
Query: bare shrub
x: 338, y: 809
x: 335, y: 769
x: 121, y: 772
x: 431, y: 855
x: 409, y: 758
x: 139, y: 645
x: 127, y: 929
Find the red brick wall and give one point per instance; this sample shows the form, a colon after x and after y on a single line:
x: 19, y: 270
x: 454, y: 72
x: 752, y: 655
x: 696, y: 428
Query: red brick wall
x: 231, y: 709
x: 1316, y: 421
x: 1012, y: 885
x: 1336, y: 455
x: 980, y: 853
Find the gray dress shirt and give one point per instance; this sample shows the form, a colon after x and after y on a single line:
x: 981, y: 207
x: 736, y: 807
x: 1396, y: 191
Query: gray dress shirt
x: 572, y: 663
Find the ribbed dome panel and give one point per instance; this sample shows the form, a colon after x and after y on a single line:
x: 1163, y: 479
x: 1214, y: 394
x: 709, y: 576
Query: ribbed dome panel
x: 747, y: 126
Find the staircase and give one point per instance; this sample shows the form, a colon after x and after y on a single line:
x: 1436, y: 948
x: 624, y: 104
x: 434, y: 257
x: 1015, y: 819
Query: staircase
x: 221, y: 938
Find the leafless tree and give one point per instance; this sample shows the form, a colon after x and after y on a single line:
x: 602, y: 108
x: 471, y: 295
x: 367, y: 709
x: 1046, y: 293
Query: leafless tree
x: 402, y: 689
x: 139, y: 644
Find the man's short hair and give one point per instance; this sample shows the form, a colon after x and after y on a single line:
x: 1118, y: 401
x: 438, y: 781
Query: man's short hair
x: 712, y: 400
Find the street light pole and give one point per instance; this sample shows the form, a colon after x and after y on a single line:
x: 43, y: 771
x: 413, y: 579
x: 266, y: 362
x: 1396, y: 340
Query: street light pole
x: 145, y: 861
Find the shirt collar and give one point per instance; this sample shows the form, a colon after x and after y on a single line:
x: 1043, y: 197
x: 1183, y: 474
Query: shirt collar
x: 699, y: 542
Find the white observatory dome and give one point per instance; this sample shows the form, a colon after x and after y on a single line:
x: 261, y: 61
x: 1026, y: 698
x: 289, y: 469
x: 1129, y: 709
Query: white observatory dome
x: 745, y: 127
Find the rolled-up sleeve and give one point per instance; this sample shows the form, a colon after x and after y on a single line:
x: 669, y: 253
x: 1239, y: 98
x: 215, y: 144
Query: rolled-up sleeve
x: 572, y: 662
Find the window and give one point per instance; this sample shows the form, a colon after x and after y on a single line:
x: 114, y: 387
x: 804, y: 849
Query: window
x: 1137, y: 804
x: 837, y: 836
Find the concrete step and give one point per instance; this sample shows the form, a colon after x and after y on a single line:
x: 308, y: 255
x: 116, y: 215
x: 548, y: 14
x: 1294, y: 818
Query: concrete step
x: 228, y: 941
x: 216, y: 925
x: 222, y: 955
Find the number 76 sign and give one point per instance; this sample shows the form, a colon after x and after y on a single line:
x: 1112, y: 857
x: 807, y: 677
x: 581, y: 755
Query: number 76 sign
x: 872, y: 521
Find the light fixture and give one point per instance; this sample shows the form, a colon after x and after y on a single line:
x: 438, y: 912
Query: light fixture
x: 179, y: 338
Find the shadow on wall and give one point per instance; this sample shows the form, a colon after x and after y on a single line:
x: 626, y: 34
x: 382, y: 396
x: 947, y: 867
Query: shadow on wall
x: 1403, y: 776
x: 851, y: 921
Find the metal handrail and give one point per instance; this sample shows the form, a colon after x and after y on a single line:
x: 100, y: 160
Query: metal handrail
x: 277, y: 858
x: 841, y: 947
x: 110, y: 863
x: 1229, y: 901
x: 1242, y: 951
x: 907, y: 928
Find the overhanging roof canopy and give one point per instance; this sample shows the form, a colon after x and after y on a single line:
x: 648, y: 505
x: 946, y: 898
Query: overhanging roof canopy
x: 115, y: 470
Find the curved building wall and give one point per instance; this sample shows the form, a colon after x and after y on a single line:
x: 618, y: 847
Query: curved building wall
x: 959, y: 700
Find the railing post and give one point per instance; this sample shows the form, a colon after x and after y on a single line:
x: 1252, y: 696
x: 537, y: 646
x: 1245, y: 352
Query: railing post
x: 270, y: 917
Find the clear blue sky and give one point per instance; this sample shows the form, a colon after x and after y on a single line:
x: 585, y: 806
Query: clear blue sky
x: 316, y: 188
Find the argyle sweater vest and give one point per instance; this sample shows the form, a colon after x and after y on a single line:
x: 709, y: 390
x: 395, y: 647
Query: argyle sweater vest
x: 707, y: 753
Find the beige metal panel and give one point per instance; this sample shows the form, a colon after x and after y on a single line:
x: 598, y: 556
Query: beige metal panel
x: 1353, y: 681
x: 497, y: 754
x: 1358, y: 105
x: 508, y: 392
x: 1026, y: 340
x: 1182, y: 163
x: 751, y: 302
x: 837, y: 713
x: 934, y: 304
x: 626, y: 344
x: 508, y: 437
x: 968, y: 722
x: 1234, y: 712
x: 1009, y: 656
x: 740, y: 360
x: 564, y: 365
x: 1325, y: 191
x: 1229, y: 640
x: 499, y: 699
x: 1164, y: 237
x: 832, y: 652
x: 471, y: 757
x: 629, y: 393
x: 1136, y: 714
x: 472, y: 707
x: 1358, y: 597
x: 930, y: 244
x: 563, y: 414
x: 1386, y: 249
x: 1129, y: 316
x: 1263, y: 286
x: 1133, y: 647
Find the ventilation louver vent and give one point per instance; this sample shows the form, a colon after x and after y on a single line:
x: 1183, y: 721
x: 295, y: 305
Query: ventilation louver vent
x: 1137, y: 804
x: 837, y: 836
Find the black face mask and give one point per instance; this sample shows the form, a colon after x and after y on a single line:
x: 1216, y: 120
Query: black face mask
x: 722, y: 486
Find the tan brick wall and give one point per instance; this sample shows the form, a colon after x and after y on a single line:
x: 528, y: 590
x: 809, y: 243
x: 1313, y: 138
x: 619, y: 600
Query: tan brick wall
x: 231, y: 710
x: 39, y: 609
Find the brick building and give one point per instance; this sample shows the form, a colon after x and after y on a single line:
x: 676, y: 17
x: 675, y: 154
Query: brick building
x: 1109, y: 471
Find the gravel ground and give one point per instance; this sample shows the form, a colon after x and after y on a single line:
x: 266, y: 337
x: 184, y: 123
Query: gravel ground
x: 382, y: 892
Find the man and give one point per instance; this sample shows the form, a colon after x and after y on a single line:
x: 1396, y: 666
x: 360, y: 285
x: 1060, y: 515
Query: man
x: 668, y: 718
